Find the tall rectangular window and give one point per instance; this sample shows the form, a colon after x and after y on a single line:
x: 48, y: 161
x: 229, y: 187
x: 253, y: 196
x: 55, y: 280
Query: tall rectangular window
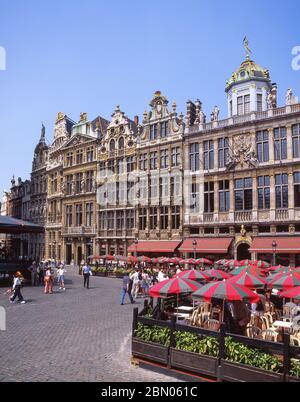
x: 164, y: 218
x: 208, y: 155
x: 243, y: 104
x: 175, y: 217
x: 79, y: 157
x: 120, y: 220
x: 111, y: 167
x: 175, y: 185
x: 130, y: 164
x: 223, y: 151
x: 143, y: 218
x: 280, y: 143
x: 263, y: 192
x: 69, y: 215
x: 153, y: 187
x: 103, y: 220
x: 243, y: 194
x: 121, y: 191
x: 153, y: 132
x: 89, y: 213
x: 90, y: 154
x: 78, y: 209
x: 164, y: 129
x: 194, y: 157
x: 153, y: 218
x: 143, y: 188
x: 164, y: 187
x: 102, y: 169
x: 259, y: 102
x: 262, y: 145
x: 79, y: 182
x: 224, y: 196
x: 143, y: 161
x: 153, y: 160
x: 209, y: 197
x: 176, y: 156
x: 121, y: 166
x: 297, y: 189
x: 281, y: 190
x: 69, y: 159
x: 110, y: 220
x: 69, y: 184
x: 164, y: 158
x: 89, y: 181
x: 296, y: 140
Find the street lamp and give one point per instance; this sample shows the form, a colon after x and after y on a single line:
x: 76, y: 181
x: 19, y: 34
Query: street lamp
x: 274, y: 248
x: 194, y: 247
x: 54, y: 251
x: 136, y: 242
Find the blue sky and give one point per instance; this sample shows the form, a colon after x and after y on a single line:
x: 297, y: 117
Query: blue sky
x: 89, y: 56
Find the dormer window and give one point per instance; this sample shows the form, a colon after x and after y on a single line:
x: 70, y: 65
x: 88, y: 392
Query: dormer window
x: 153, y: 132
x: 121, y: 143
x: 164, y: 129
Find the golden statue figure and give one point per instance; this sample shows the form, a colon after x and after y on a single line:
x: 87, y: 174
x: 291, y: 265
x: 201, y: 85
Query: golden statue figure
x: 243, y: 231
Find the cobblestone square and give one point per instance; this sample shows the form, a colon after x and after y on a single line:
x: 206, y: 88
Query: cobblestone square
x: 76, y: 335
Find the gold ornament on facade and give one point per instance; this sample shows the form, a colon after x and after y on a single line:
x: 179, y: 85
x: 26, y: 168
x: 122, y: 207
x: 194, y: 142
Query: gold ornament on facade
x: 60, y: 116
x: 243, y: 231
x: 83, y: 117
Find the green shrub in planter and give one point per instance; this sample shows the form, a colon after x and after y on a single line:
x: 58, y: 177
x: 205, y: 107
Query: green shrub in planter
x: 153, y: 334
x: 189, y: 342
x: 295, y: 368
x: 239, y: 353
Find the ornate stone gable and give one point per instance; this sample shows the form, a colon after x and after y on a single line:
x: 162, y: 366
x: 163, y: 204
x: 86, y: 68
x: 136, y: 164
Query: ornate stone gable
x: 78, y: 139
x: 241, y: 153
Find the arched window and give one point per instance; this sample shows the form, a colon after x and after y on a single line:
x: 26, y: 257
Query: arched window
x: 121, y: 143
x: 112, y: 145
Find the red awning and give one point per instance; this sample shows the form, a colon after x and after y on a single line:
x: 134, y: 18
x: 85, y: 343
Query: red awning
x: 213, y: 245
x: 154, y: 247
x: 285, y: 245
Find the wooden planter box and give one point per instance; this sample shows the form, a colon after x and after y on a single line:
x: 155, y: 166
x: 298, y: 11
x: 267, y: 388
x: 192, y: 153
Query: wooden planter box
x: 236, y: 372
x: 150, y: 351
x: 99, y: 274
x: 194, y: 362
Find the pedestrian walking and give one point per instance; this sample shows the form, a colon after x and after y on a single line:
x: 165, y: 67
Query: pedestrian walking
x: 135, y: 284
x: 34, y: 276
x: 48, y: 281
x: 40, y: 273
x: 61, y: 277
x: 126, y: 288
x: 17, y: 288
x: 87, y: 272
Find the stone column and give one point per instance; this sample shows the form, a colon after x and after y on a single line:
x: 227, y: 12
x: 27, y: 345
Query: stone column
x: 271, y: 145
x: 291, y: 196
x: 216, y: 200
x: 272, y: 198
x: 216, y: 155
x: 255, y: 200
x: 231, y: 190
x: 289, y: 142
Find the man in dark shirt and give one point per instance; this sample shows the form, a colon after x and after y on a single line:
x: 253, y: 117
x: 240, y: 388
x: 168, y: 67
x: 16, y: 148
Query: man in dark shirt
x: 126, y: 288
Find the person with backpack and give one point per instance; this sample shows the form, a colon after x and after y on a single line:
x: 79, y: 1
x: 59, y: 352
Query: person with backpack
x: 17, y: 288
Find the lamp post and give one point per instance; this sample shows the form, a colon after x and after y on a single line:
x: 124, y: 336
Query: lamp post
x: 274, y: 248
x: 136, y: 242
x: 54, y: 251
x: 194, y: 248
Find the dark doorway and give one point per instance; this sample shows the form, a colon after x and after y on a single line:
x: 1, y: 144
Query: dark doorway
x: 68, y: 254
x: 243, y: 252
x: 79, y: 255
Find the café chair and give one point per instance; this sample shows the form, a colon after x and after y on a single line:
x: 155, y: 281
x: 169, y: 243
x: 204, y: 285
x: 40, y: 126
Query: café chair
x: 253, y: 332
x: 269, y: 335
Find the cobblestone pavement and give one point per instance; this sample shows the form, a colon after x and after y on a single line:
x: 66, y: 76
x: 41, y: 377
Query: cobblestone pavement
x: 77, y: 335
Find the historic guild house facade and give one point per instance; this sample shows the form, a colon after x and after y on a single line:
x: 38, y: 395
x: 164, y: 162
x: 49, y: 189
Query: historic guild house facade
x: 172, y: 184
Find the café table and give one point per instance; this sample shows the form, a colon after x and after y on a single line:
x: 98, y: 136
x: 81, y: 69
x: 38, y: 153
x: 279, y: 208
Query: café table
x: 186, y: 308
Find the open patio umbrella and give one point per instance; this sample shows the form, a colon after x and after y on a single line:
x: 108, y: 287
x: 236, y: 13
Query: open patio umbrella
x: 190, y: 261
x: 216, y: 274
x: 132, y: 259
x: 203, y: 261
x: 232, y: 264
x: 275, y: 268
x: 292, y: 293
x: 285, y: 281
x: 248, y: 280
x: 174, y: 286
x: 248, y: 269
x: 225, y: 291
x: 194, y: 275
x: 144, y: 259
x: 223, y: 262
x: 175, y: 260
x: 108, y: 257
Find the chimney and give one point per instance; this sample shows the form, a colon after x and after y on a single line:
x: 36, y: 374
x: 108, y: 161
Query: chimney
x: 136, y: 120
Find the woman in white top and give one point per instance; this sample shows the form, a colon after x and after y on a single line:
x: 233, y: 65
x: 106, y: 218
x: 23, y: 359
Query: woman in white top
x: 61, y: 277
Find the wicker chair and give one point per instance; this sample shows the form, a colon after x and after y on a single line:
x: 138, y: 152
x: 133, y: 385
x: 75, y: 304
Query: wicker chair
x: 214, y: 325
x: 253, y: 332
x: 294, y: 341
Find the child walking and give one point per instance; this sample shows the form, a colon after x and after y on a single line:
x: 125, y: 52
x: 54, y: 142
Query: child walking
x: 17, y: 288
